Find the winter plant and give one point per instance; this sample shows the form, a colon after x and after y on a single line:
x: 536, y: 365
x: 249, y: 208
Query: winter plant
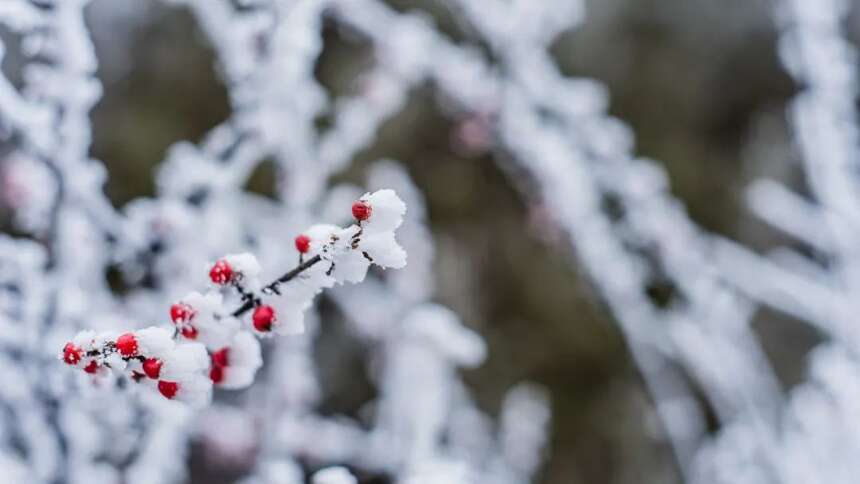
x: 141, y: 398
x: 86, y: 279
x: 209, y: 344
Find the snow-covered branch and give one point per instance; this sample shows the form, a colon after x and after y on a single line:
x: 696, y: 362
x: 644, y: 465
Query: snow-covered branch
x: 210, y: 344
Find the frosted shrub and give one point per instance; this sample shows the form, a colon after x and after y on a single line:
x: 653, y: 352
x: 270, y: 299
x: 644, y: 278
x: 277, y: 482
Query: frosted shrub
x: 185, y: 258
x: 227, y: 277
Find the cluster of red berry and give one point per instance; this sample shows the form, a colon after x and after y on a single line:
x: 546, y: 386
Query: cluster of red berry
x: 207, y: 345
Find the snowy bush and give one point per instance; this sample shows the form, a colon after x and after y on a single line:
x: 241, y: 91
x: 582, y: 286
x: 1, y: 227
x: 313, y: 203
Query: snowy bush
x: 196, y: 309
x: 144, y: 392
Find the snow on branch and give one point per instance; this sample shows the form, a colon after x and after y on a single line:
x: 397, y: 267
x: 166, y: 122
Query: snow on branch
x: 210, y: 344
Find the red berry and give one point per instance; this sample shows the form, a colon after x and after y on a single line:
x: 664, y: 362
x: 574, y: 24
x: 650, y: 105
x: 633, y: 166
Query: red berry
x: 127, y: 345
x: 181, y: 312
x: 303, y: 243
x: 361, y: 210
x: 190, y: 332
x: 221, y: 273
x: 168, y: 388
x: 220, y: 358
x: 152, y: 367
x: 71, y: 354
x: 263, y: 318
x: 92, y: 367
x: 216, y: 374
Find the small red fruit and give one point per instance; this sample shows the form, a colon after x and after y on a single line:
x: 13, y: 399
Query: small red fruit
x: 361, y: 210
x: 216, y: 374
x: 221, y: 273
x: 127, y: 345
x: 220, y: 358
x: 152, y: 367
x: 91, y: 367
x: 72, y: 354
x: 181, y: 312
x: 189, y: 332
x: 263, y: 318
x: 303, y: 243
x: 168, y: 388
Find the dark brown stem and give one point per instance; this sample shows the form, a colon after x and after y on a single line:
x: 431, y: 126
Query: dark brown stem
x: 272, y: 288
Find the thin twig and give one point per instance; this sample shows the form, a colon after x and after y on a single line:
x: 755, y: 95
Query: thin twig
x: 272, y: 288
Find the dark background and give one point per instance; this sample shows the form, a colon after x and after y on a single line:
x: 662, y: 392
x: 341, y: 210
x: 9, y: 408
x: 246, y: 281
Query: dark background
x: 698, y: 80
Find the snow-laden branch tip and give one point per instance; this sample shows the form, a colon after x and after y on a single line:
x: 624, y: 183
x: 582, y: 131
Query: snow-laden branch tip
x: 212, y: 342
